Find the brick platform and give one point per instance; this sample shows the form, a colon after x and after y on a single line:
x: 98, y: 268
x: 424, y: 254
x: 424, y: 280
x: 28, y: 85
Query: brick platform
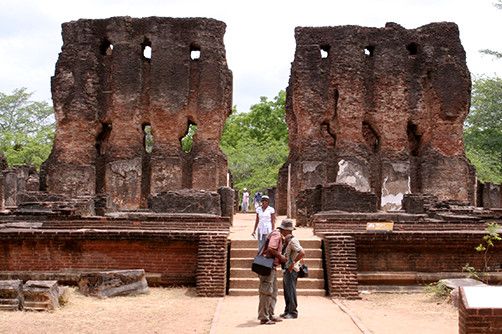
x: 419, y: 249
x: 172, y: 249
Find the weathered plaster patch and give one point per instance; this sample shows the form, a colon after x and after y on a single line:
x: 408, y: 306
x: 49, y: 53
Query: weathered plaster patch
x: 310, y: 166
x: 350, y: 173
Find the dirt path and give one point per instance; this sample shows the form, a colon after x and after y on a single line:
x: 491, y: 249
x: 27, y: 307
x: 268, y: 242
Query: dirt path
x: 316, y: 315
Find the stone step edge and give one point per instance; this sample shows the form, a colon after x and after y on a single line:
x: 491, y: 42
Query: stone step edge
x: 249, y: 269
x: 245, y: 279
x: 252, y: 258
x: 256, y: 249
x: 369, y: 289
x: 254, y: 292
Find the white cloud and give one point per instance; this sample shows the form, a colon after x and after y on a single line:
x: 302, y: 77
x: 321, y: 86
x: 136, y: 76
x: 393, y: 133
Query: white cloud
x: 259, y: 39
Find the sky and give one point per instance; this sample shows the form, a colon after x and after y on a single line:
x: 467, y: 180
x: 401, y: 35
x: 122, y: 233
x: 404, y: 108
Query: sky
x: 259, y: 38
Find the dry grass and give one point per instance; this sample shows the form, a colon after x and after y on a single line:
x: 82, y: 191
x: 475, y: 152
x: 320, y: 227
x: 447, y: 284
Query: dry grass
x: 174, y: 310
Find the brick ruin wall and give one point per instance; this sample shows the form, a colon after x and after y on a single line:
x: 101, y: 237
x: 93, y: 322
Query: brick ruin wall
x: 380, y: 109
x: 403, y: 258
x: 108, y: 94
x: 172, y: 251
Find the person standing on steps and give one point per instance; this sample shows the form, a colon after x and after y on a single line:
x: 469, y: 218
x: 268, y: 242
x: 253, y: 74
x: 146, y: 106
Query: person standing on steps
x: 268, y: 284
x: 293, y: 253
x: 245, y: 200
x: 265, y: 221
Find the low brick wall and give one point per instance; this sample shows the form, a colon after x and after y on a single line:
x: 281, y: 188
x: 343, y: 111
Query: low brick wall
x: 401, y: 258
x: 421, y: 251
x: 171, y: 252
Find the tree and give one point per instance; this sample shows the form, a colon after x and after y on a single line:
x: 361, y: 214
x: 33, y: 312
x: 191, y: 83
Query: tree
x: 483, y: 129
x: 256, y: 143
x: 26, y: 128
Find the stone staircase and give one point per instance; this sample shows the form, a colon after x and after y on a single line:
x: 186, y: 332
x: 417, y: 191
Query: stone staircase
x: 244, y: 282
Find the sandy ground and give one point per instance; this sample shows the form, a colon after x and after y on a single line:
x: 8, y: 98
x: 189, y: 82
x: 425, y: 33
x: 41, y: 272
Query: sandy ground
x: 177, y: 310
x: 161, y: 311
x: 416, y: 313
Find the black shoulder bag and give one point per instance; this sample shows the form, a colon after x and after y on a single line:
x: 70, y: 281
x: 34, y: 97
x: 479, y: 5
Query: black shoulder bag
x: 263, y: 265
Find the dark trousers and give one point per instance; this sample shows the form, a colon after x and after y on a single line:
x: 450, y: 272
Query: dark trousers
x: 289, y: 285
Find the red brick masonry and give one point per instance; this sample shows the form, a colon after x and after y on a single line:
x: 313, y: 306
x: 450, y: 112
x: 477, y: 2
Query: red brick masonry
x: 402, y: 258
x: 178, y: 250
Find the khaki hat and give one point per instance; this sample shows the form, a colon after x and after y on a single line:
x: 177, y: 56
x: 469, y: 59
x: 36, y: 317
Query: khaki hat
x: 287, y: 224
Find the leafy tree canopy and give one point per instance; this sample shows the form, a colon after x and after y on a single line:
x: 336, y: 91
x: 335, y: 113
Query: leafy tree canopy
x: 483, y: 129
x: 26, y: 128
x: 256, y: 143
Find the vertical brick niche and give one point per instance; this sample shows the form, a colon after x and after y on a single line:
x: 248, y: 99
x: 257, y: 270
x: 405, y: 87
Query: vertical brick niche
x: 480, y: 310
x: 342, y: 266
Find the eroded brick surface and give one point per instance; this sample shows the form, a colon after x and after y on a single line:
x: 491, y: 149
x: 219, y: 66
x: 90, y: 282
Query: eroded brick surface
x: 380, y: 109
x: 109, y: 95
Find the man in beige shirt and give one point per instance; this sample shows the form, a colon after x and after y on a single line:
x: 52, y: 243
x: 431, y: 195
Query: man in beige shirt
x: 293, y: 253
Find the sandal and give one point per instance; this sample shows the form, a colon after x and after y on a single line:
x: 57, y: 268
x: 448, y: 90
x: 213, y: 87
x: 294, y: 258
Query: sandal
x: 267, y: 322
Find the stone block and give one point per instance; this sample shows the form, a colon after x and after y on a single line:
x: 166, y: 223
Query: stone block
x: 346, y: 198
x: 186, y: 201
x: 10, y: 188
x: 492, y: 195
x: 227, y: 196
x: 281, y: 194
x: 11, y: 296
x: 39, y: 201
x: 123, y: 182
x: 41, y: 295
x: 418, y: 203
x: 113, y: 283
x: 308, y: 203
x: 68, y: 179
x: 456, y: 283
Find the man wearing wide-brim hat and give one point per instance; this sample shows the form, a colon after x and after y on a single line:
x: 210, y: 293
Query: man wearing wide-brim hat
x: 268, y: 284
x: 293, y: 253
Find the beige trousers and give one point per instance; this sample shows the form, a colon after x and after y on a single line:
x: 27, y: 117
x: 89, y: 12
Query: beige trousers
x: 268, y: 296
